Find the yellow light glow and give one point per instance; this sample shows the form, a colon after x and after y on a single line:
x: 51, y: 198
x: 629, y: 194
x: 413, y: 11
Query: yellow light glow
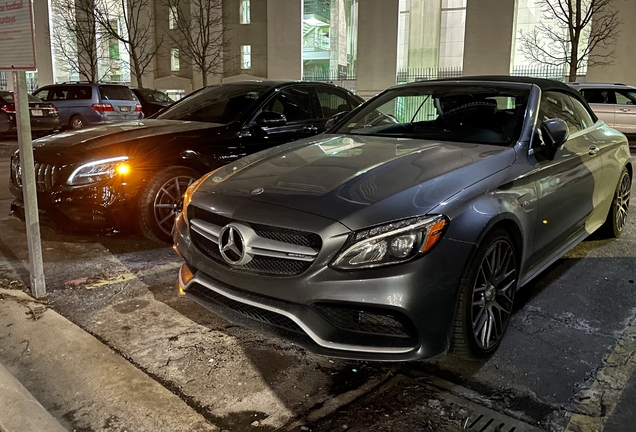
x: 545, y: 221
x: 123, y: 169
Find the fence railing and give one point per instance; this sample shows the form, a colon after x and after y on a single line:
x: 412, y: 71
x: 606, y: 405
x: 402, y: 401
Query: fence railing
x: 426, y: 74
x: 328, y: 75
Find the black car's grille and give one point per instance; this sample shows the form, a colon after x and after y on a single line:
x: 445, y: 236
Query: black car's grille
x: 259, y: 264
x: 363, y: 321
x: 45, y: 175
x: 285, y: 235
x: 246, y: 310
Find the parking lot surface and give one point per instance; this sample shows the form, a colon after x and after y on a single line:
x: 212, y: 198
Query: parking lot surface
x: 565, y: 364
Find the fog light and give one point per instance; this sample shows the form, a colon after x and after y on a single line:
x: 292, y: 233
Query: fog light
x: 185, y: 276
x: 123, y: 169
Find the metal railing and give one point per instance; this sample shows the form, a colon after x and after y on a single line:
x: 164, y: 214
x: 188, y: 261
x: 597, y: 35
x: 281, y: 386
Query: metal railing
x: 328, y: 75
x: 427, y: 74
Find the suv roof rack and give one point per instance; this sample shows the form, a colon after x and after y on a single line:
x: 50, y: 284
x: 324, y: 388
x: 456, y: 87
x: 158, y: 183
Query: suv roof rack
x: 595, y: 83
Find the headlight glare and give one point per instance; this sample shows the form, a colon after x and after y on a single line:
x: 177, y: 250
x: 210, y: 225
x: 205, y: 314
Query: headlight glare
x: 393, y: 243
x: 96, y: 171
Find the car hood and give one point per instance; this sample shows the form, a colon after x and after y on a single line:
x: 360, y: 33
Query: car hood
x: 359, y: 180
x: 110, y: 140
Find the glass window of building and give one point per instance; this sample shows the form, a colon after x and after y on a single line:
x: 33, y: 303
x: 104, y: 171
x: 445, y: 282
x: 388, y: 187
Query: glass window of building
x: 245, y: 12
x: 175, y: 64
x: 246, y: 56
x: 173, y: 15
x: 451, y: 41
x: 113, y: 42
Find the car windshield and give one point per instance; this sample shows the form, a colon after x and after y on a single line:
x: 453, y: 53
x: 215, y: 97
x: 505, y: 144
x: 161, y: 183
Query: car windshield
x: 155, y: 96
x: 219, y: 104
x: 472, y: 114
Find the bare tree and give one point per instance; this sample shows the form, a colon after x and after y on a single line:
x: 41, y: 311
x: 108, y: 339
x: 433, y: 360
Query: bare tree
x: 130, y: 22
x: 569, y: 33
x: 198, y: 33
x: 74, y: 37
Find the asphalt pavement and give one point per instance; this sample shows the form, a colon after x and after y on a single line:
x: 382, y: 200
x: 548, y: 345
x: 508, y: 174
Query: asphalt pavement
x: 566, y: 363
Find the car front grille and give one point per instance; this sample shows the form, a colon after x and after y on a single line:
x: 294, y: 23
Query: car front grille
x: 259, y: 264
x: 246, y: 310
x: 45, y: 175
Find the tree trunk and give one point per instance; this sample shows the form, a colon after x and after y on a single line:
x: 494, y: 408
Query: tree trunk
x: 204, y: 78
x: 574, y: 60
x: 138, y: 72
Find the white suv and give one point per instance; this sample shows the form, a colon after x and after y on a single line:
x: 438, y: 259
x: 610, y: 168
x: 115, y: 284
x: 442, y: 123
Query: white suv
x: 615, y: 104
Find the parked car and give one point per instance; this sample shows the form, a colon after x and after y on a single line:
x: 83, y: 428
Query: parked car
x: 407, y: 229
x: 615, y: 104
x: 114, y: 178
x: 44, y: 116
x: 83, y: 104
x: 152, y: 101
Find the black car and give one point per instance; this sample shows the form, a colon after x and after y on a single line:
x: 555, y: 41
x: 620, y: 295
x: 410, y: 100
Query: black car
x: 44, y: 115
x: 152, y: 101
x: 114, y: 178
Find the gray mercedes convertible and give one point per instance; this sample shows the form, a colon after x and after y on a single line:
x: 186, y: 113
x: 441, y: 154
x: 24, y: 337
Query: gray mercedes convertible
x: 407, y: 229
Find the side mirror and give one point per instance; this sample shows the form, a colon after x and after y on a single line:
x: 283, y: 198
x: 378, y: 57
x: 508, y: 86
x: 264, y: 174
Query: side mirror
x: 271, y: 118
x: 334, y: 119
x: 554, y: 133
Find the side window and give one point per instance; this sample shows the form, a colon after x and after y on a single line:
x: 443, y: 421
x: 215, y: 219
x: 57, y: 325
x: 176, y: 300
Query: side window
x: 559, y: 105
x: 597, y: 96
x: 354, y: 102
x: 294, y: 103
x: 332, y: 102
x: 58, y: 93
x: 582, y: 113
x: 625, y: 97
x: 42, y: 94
x: 81, y: 93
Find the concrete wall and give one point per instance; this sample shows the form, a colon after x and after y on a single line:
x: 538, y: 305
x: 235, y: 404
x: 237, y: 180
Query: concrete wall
x: 377, y: 46
x: 162, y: 31
x: 284, y: 39
x: 624, y: 68
x: 237, y: 34
x: 42, y: 42
x: 489, y: 34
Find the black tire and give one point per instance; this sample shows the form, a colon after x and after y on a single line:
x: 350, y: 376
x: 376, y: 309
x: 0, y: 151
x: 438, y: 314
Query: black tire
x: 162, y: 200
x: 617, y: 215
x: 487, y: 296
x: 77, y: 122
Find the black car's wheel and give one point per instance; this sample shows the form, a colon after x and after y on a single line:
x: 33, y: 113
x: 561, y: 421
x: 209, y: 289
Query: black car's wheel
x: 617, y: 216
x: 486, y: 297
x: 162, y: 200
x: 77, y: 122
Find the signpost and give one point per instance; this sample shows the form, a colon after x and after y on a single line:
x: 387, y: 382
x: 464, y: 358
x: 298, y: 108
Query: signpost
x: 18, y: 55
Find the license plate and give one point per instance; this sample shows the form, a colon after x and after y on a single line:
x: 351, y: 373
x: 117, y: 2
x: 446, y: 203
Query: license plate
x: 36, y: 113
x: 124, y: 109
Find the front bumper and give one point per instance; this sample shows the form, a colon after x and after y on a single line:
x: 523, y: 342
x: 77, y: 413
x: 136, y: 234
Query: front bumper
x: 104, y: 208
x: 394, y: 313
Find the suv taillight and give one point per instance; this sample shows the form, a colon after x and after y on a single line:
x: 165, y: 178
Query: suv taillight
x: 137, y: 108
x: 8, y: 108
x: 103, y: 108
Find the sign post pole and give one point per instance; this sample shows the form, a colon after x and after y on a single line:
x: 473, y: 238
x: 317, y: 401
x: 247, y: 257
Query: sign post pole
x: 18, y: 55
x: 29, y: 186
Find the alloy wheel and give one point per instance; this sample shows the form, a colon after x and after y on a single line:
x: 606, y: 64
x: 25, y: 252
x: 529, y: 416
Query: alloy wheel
x: 77, y: 123
x: 493, y: 294
x: 621, y: 201
x: 169, y: 202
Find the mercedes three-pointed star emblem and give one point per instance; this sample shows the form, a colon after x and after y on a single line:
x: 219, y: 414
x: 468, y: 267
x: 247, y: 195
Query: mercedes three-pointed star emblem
x: 232, y: 246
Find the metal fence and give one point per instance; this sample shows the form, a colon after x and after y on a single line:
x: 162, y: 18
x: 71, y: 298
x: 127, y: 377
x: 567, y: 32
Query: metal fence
x: 328, y: 75
x: 556, y: 73
x: 426, y: 74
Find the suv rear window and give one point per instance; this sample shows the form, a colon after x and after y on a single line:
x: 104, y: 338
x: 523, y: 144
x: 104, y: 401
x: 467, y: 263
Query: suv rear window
x: 110, y: 92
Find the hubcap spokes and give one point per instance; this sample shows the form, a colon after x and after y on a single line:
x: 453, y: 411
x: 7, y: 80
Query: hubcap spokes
x: 493, y: 294
x: 622, y: 202
x: 169, y: 202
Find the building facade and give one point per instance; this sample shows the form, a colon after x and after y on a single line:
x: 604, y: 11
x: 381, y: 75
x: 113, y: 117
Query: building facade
x: 366, y: 45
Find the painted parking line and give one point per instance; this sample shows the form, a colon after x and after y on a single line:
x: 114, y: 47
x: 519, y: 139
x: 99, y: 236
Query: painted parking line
x: 605, y: 392
x: 123, y: 277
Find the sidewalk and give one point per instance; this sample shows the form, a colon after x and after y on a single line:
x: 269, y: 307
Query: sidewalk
x: 79, y: 380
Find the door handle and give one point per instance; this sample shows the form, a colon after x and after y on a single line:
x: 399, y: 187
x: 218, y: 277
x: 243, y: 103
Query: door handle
x: 310, y: 129
x: 593, y: 150
x: 625, y: 110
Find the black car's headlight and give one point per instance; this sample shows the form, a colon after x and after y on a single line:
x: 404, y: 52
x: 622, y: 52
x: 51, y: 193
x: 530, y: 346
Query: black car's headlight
x: 99, y: 170
x: 393, y: 243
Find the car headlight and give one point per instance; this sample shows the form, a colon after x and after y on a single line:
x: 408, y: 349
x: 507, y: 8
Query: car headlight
x: 393, y: 243
x: 99, y: 170
x: 187, y: 196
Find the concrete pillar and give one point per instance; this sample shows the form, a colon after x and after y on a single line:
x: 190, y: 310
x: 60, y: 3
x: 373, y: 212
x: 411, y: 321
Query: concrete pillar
x: 489, y: 37
x: 624, y: 68
x: 425, y: 20
x: 284, y: 39
x: 376, y: 67
x: 42, y: 42
x: 338, y: 35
